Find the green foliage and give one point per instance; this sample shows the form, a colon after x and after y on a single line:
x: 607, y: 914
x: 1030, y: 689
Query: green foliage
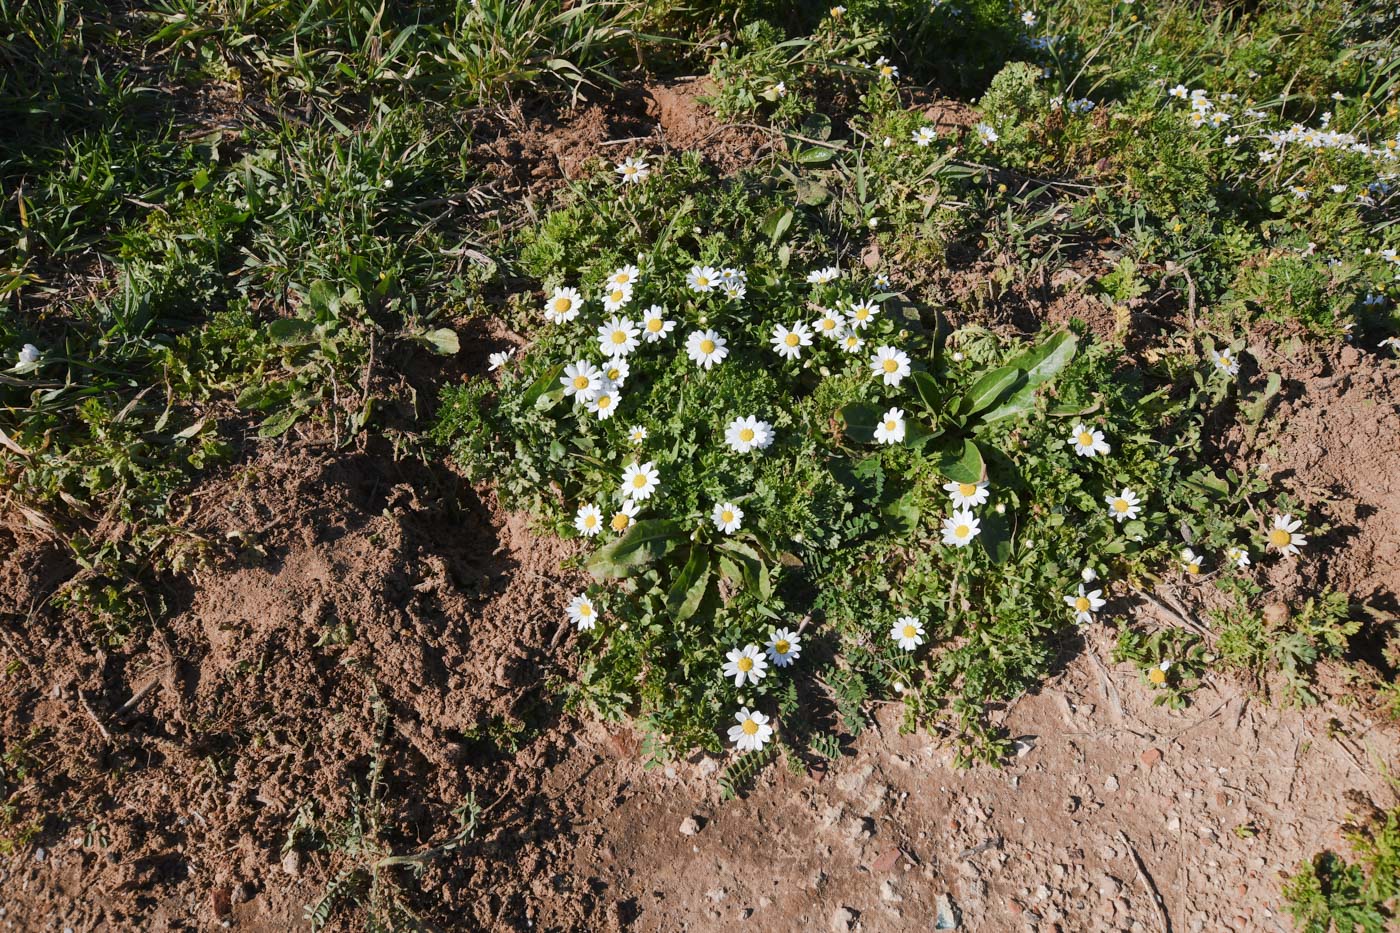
x: 1170, y: 661
x: 1289, y: 644
x: 1329, y: 893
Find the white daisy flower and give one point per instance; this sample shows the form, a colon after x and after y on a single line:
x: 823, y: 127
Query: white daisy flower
x: 1030, y: 19
x: 702, y: 278
x: 1190, y: 561
x: 618, y: 337
x: 1085, y: 604
x: 1124, y: 505
x: 637, y: 435
x: 728, y: 517
x: 1237, y: 556
x: 1088, y: 574
x: 633, y: 170
x: 734, y: 290
x: 829, y: 325
x: 1180, y: 91
x: 987, y: 134
x: 882, y: 280
x: 730, y: 275
x: 654, y: 324
x: 1225, y: 361
x: 746, y: 434
x: 923, y: 136
x: 616, y: 371
x: 581, y: 379
x: 960, y: 528
x: 588, y: 521
x: 564, y: 305
x: 885, y: 70
x: 746, y: 665
x: 604, y: 401
x: 706, y: 348
x: 908, y: 632
x: 640, y: 480
x: 582, y: 612
x: 1088, y: 443
x: 862, y: 314
x: 495, y: 361
x: 890, y: 430
x: 622, y: 518
x: 823, y: 276
x: 784, y: 647
x: 890, y: 364
x: 789, y: 343
x: 1284, y: 537
x: 752, y: 731
x: 850, y: 341
x: 623, y: 277
x: 967, y: 495
x: 1157, y: 676
x: 616, y: 297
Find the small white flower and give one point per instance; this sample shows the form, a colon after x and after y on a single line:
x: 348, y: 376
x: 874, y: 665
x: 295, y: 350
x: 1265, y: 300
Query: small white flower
x: 1088, y: 574
x: 727, y: 517
x: 618, y: 337
x: 702, y: 278
x: 624, y: 277
x: 582, y: 612
x: 1237, y: 556
x: 1180, y: 91
x: 1190, y: 561
x: 967, y: 495
x: 885, y: 70
x: 882, y: 280
x: 616, y: 297
x: 890, y: 364
x: 746, y: 434
x: 850, y: 341
x: 640, y: 480
x: 986, y: 133
x: 1085, y: 604
x: 1088, y: 443
x: 1029, y: 19
x: 784, y: 647
x: 616, y: 371
x: 1284, y: 537
x: 746, y: 665
x: 1226, y: 362
x: 890, y: 430
x: 706, y: 348
x: 780, y: 89
x: 637, y: 435
x: 654, y: 324
x: 923, y: 136
x: 581, y: 379
x: 823, y: 276
x: 789, y: 343
x: 752, y: 731
x: 960, y: 528
x: 908, y: 632
x: 564, y: 305
x: 633, y: 170
x: 622, y: 518
x: 862, y: 314
x: 604, y: 401
x: 495, y: 360
x: 1124, y: 505
x: 588, y: 521
x: 829, y: 325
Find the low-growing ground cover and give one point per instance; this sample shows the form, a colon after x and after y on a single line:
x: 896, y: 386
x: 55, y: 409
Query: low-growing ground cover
x: 881, y: 376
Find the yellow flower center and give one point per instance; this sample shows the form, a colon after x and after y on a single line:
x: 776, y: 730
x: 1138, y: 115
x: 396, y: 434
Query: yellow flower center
x: 886, y: 70
x: 745, y: 664
x: 580, y: 382
x: 1082, y: 604
x: 619, y: 336
x: 1121, y: 505
x: 1280, y: 538
x: 781, y: 646
x: 1157, y: 676
x: 862, y: 313
x: 910, y: 631
x: 727, y: 517
x: 962, y: 531
x: 562, y: 304
x: 1086, y: 439
x: 967, y: 490
x: 747, y: 435
x: 891, y: 425
x: 889, y: 366
x: 605, y: 401
x: 617, y: 294
x: 585, y: 610
x: 707, y: 346
x: 654, y: 325
x: 828, y: 324
x: 639, y: 480
x: 750, y: 727
x: 701, y: 281
x: 590, y: 520
x: 622, y: 278
x: 620, y: 521
x: 791, y: 340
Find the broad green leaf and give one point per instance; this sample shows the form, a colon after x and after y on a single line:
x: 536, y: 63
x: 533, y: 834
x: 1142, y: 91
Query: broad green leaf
x: 814, y: 155
x: 990, y: 389
x: 280, y: 422
x: 644, y: 542
x: 777, y: 222
x: 996, y: 536
x: 929, y: 392
x: 750, y: 566
x: 540, y: 388
x: 903, y: 513
x: 689, y: 586
x: 1040, y: 364
x: 443, y: 341
x: 860, y: 420
x: 291, y: 332
x: 962, y: 462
